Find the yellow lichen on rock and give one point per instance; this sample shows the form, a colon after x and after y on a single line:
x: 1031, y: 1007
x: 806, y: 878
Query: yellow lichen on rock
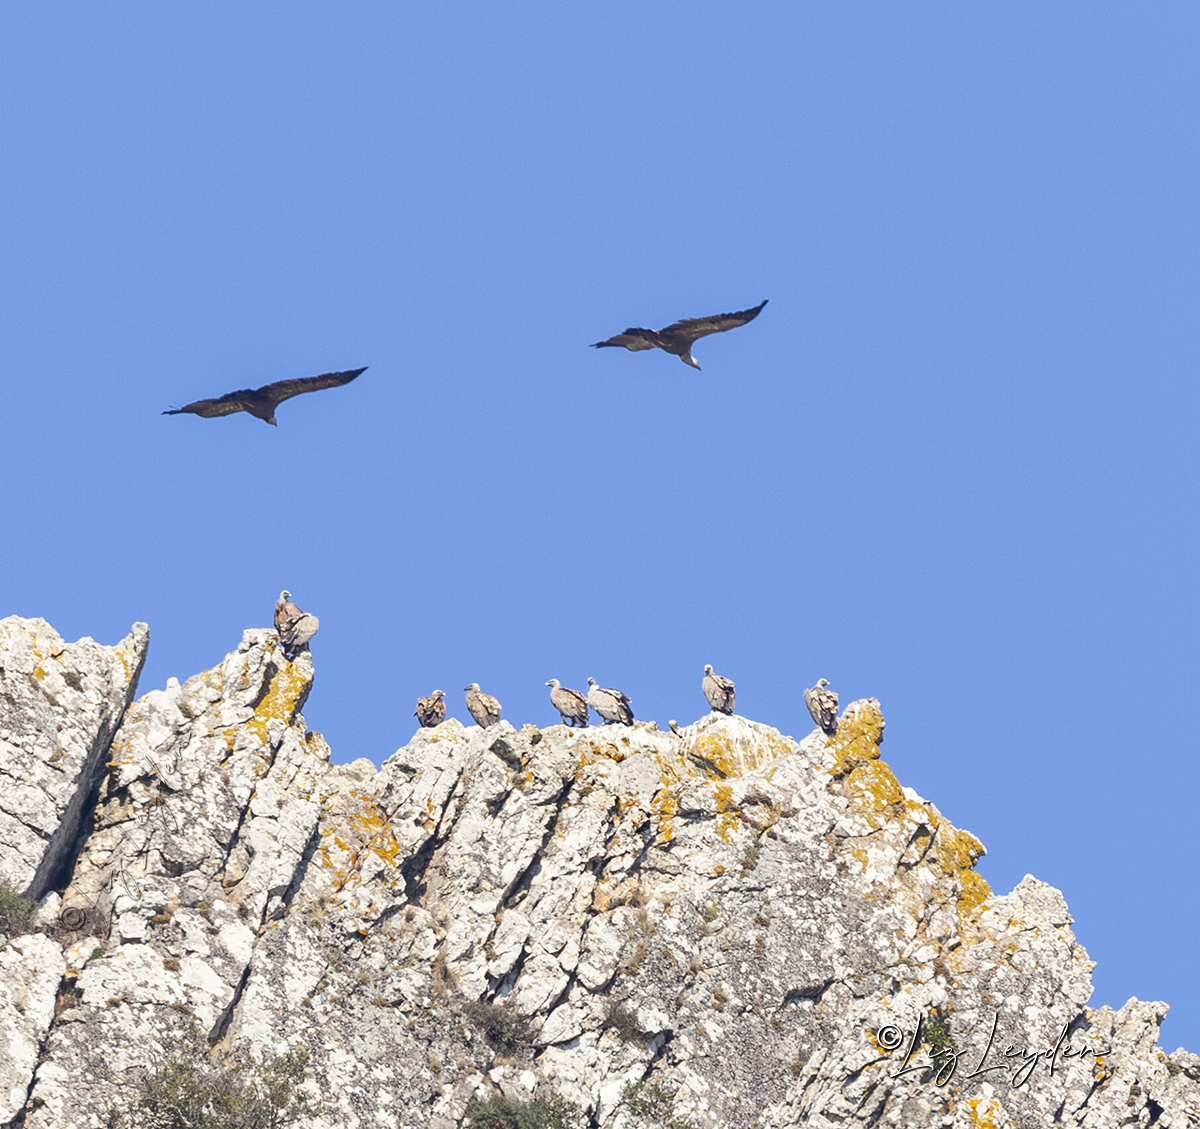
x: 872, y: 786
x: 282, y: 701
x: 722, y: 754
x: 726, y: 813
x: 859, y: 733
x: 374, y: 830
x: 664, y: 805
x: 984, y: 1112
x: 606, y: 750
x: 975, y: 891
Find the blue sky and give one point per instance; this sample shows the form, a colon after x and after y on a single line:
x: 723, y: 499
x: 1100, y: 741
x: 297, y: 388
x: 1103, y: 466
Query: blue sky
x: 952, y: 465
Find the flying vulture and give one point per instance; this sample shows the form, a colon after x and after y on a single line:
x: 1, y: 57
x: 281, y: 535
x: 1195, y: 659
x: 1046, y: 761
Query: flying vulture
x: 678, y: 338
x: 571, y: 704
x: 822, y: 704
x: 611, y: 705
x: 482, y: 707
x: 295, y: 627
x: 431, y: 711
x: 719, y: 691
x: 263, y: 401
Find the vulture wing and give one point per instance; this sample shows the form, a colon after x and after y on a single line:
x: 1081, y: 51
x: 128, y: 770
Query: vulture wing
x: 633, y: 339
x: 300, y: 631
x: 222, y: 406
x: 286, y: 617
x: 692, y: 328
x: 285, y: 389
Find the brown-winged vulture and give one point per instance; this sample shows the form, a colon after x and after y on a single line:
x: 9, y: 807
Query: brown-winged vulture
x: 610, y: 704
x: 719, y: 691
x: 571, y: 704
x: 679, y: 337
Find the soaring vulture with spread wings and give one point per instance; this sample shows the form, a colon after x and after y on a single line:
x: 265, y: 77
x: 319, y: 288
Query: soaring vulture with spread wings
x: 263, y: 401
x: 678, y: 338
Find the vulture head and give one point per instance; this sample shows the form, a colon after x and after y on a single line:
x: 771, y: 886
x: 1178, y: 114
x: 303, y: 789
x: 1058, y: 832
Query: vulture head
x: 473, y: 686
x: 688, y: 359
x: 708, y: 668
x: 438, y: 694
x: 554, y: 684
x: 285, y: 595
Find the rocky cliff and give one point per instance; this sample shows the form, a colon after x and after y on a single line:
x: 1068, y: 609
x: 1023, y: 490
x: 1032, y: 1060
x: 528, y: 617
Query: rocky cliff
x: 726, y: 927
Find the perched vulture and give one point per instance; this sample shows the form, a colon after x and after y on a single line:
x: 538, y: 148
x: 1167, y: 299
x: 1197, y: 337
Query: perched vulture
x: 571, y: 704
x: 431, y: 711
x: 295, y: 627
x: 611, y: 705
x: 822, y: 704
x: 719, y: 691
x: 674, y: 727
x: 482, y: 707
x: 263, y: 401
x: 678, y: 338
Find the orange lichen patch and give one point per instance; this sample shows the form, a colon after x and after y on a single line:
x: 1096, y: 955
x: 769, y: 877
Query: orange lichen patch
x: 857, y: 738
x: 984, y: 1112
x: 665, y: 805
x: 872, y: 786
x: 372, y: 827
x: 281, y: 702
x: 975, y: 890
x: 863, y: 857
x: 722, y: 756
x: 957, y: 850
x: 38, y: 673
x: 590, y: 754
x: 955, y: 854
x: 726, y: 813
x: 364, y: 829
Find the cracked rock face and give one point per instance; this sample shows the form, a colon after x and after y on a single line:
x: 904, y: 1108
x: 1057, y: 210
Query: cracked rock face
x: 775, y: 932
x: 60, y: 704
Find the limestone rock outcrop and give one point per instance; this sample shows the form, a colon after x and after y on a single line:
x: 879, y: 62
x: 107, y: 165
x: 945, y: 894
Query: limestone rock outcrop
x: 769, y: 932
x: 60, y: 704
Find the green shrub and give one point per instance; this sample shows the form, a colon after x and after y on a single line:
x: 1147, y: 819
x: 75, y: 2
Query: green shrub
x: 652, y: 1101
x: 506, y: 1030
x: 937, y: 1033
x: 619, y: 1018
x: 189, y: 1091
x: 15, y: 911
x: 499, y: 1112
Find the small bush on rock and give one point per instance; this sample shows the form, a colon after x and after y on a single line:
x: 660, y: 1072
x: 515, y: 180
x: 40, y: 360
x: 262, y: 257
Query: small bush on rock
x: 937, y: 1033
x: 189, y: 1091
x: 499, y: 1112
x: 15, y: 911
x: 624, y: 1022
x: 652, y: 1101
x: 506, y: 1030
